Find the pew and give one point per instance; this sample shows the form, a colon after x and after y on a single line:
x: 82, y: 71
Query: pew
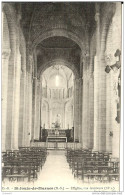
x: 92, y: 165
x: 23, y: 163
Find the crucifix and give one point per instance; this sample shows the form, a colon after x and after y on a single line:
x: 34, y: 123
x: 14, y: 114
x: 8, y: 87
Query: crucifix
x: 115, y: 68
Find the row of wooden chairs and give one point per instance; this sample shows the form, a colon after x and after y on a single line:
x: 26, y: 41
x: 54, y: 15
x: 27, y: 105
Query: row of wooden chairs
x: 23, y: 163
x: 92, y: 165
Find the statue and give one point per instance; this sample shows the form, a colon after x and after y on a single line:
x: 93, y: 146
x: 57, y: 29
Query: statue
x: 57, y: 122
x: 117, y: 87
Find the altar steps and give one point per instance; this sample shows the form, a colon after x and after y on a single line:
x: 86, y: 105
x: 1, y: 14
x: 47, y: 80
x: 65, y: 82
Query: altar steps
x: 56, y: 145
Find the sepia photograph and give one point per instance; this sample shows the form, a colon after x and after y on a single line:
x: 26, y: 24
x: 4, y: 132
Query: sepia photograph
x: 61, y: 96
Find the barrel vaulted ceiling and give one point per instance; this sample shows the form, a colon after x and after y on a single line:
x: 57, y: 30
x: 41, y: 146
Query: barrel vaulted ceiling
x: 40, y: 17
x: 57, y: 31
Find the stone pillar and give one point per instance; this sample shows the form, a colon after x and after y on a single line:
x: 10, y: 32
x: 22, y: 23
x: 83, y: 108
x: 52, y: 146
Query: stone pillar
x: 49, y: 113
x: 102, y: 104
x: 109, y: 125
x: 37, y: 111
x: 40, y: 103
x: 100, y: 88
x: 48, y: 116
x: 10, y: 93
x: 76, y: 109
x: 72, y: 116
x: 22, y: 113
x: 30, y: 97
x: 96, y: 100
x: 91, y: 104
x: 63, y: 115
x: 80, y: 108
x: 96, y: 81
x: 5, y: 60
x: 34, y: 87
x: 28, y: 111
x: 85, y: 108
x: 14, y: 138
x: 22, y: 116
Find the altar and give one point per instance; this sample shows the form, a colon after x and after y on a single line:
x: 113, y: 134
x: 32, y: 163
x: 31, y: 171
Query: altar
x: 56, y: 135
x: 56, y: 139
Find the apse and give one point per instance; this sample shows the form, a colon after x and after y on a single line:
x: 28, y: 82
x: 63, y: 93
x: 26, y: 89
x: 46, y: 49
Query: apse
x: 57, y: 90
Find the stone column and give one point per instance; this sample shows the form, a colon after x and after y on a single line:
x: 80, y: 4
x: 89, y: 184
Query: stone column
x: 37, y: 111
x: 80, y: 108
x: 46, y: 123
x: 96, y: 100
x: 28, y: 111
x: 91, y: 104
x: 40, y: 103
x: 76, y: 109
x: 50, y: 113
x: 102, y: 105
x: 72, y: 116
x: 10, y: 92
x: 5, y: 60
x: 16, y: 100
x: 22, y: 116
x: 85, y: 108
x: 14, y: 138
x: 48, y: 117
x: 63, y: 115
x: 30, y: 81
x: 96, y: 81
x: 34, y: 87
x: 109, y: 99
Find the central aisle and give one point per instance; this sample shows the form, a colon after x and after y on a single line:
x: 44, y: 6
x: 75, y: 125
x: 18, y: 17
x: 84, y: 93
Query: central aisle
x: 55, y: 171
x: 56, y: 174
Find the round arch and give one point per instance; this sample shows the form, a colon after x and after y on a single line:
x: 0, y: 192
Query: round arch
x: 59, y: 32
x: 106, y: 25
x: 11, y: 19
x: 57, y: 62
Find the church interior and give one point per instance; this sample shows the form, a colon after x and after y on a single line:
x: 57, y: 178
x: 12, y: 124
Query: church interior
x: 61, y: 91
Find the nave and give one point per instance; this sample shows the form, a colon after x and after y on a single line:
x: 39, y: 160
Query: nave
x: 59, y: 170
x: 61, y: 90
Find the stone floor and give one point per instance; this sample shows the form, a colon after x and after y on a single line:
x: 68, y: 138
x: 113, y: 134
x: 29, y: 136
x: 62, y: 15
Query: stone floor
x: 56, y: 176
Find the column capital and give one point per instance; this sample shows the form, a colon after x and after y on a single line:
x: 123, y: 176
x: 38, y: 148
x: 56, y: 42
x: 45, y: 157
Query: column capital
x: 5, y: 53
x: 97, y: 14
x: 36, y: 79
x: 28, y: 45
x: 97, y: 17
